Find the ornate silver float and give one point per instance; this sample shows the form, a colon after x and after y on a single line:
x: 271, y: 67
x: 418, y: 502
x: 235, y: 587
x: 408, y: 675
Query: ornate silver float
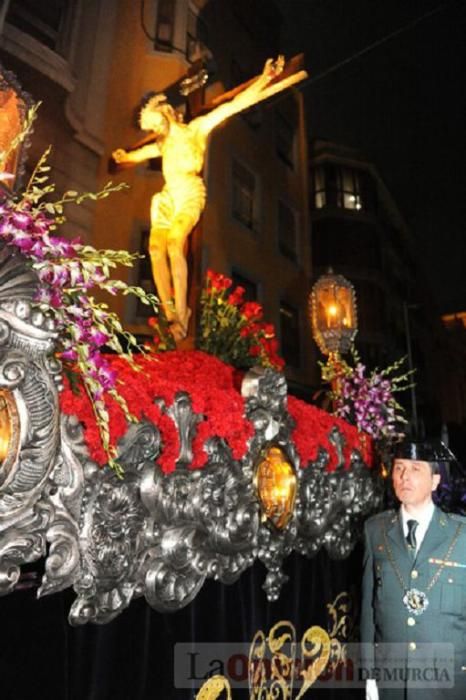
x: 149, y: 534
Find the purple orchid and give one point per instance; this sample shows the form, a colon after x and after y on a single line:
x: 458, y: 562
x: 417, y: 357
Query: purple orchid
x: 369, y: 401
x: 67, y: 272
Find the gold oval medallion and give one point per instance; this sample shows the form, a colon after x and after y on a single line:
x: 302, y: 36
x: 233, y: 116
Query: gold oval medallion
x: 275, y: 480
x: 9, y: 434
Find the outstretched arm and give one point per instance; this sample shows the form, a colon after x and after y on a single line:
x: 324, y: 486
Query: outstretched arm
x: 151, y: 150
x: 256, y: 91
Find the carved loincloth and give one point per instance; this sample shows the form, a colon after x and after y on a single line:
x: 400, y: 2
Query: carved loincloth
x: 185, y: 196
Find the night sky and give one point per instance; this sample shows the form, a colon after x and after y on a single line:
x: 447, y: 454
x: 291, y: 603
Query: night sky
x: 403, y: 104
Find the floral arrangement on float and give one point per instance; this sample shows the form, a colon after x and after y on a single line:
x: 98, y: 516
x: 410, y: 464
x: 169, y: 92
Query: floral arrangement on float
x: 230, y: 328
x: 154, y: 385
x: 368, y: 399
x: 234, y: 329
x: 110, y: 380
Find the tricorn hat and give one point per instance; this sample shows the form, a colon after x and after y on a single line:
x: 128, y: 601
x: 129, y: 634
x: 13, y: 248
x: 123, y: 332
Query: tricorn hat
x: 434, y: 451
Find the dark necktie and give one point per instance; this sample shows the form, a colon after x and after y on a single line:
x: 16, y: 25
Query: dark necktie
x: 411, y: 536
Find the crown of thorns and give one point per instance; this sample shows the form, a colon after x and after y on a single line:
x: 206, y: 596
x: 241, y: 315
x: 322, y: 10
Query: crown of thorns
x: 159, y: 103
x: 155, y: 102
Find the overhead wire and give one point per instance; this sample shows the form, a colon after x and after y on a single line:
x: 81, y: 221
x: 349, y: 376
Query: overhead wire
x: 375, y: 44
x: 349, y: 59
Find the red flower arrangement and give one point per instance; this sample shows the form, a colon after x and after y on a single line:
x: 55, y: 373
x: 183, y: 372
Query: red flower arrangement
x: 162, y: 375
x: 233, y: 329
x: 312, y: 429
x: 230, y: 328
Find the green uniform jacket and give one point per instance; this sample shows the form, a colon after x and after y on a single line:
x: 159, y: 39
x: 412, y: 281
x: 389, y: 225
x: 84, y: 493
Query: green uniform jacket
x: 386, y: 620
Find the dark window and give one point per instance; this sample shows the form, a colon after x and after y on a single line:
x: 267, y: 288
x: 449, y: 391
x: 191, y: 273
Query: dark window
x: 349, y: 189
x: 250, y: 287
x: 289, y: 334
x: 145, y: 279
x: 287, y: 232
x: 320, y: 192
x: 342, y: 187
x: 42, y: 20
x: 244, y: 195
x: 284, y: 139
x: 165, y: 25
x: 196, y: 36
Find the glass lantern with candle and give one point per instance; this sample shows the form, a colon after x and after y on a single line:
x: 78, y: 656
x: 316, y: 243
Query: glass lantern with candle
x: 333, y: 314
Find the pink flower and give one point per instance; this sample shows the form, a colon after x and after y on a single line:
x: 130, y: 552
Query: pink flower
x: 62, y: 247
x: 21, y: 220
x: 99, y: 338
x: 22, y: 240
x: 50, y: 296
x: 69, y: 354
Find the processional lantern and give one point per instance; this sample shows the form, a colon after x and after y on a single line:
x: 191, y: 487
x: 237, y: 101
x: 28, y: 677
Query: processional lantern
x: 333, y: 314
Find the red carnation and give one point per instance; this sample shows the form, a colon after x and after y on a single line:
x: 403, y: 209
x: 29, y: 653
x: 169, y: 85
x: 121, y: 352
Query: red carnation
x: 246, y: 331
x: 251, y: 309
x: 237, y: 296
x: 218, y: 281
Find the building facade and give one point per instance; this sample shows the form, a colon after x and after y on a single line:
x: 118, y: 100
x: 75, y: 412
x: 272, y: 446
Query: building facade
x: 92, y: 64
x: 358, y: 230
x: 60, y: 52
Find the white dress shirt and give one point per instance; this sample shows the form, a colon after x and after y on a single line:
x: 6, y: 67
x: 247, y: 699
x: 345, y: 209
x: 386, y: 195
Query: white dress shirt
x: 423, y: 519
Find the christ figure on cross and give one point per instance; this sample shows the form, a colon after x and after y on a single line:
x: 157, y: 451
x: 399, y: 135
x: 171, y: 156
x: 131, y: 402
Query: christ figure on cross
x: 176, y: 209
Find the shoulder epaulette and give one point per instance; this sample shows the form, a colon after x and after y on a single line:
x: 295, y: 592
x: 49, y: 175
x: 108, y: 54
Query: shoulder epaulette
x: 384, y: 514
x: 457, y: 518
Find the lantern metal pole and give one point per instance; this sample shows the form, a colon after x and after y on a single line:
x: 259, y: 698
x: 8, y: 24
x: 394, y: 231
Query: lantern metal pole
x: 334, y: 361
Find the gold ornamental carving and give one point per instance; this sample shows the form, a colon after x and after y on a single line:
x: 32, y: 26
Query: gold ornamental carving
x: 273, y: 666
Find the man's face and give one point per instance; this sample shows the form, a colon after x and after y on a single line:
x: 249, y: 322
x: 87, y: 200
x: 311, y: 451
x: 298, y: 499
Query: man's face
x: 413, y: 481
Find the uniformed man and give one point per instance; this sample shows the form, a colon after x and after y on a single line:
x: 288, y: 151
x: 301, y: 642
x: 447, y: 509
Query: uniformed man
x: 413, y: 623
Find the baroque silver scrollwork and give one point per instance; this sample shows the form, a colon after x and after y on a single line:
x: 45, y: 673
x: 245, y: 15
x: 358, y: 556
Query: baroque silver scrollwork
x: 25, y: 374
x: 153, y: 534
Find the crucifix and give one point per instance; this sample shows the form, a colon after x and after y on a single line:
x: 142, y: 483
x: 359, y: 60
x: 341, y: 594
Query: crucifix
x: 177, y: 208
